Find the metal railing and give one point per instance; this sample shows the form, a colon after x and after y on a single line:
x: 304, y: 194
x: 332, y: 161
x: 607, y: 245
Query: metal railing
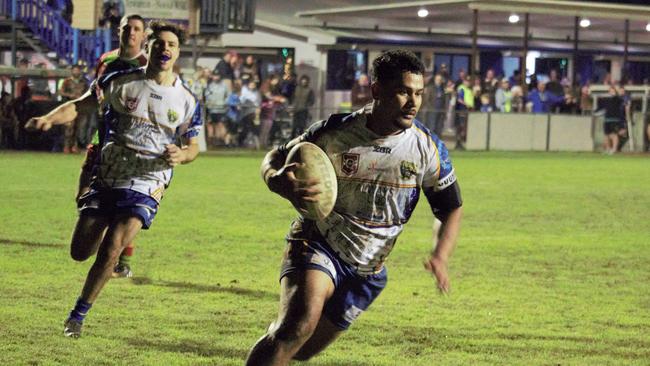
x: 57, y: 34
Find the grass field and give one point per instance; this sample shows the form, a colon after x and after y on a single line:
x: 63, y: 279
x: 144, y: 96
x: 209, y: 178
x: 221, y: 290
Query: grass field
x: 552, y: 267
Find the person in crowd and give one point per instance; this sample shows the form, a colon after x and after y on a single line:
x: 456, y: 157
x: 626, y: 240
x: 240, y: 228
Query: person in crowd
x: 233, y: 110
x: 74, y: 87
x: 251, y: 69
x: 303, y: 99
x: 250, y: 109
x: 554, y: 85
x: 503, y: 97
x: 216, y: 96
x: 361, y: 94
x: 586, y: 100
x: 518, y: 101
x: 485, y: 103
x: 477, y: 90
x: 464, y: 104
x: 434, y: 104
x: 461, y: 77
x: 490, y: 85
x: 612, y: 105
x: 224, y: 69
x: 625, y: 118
x: 543, y: 101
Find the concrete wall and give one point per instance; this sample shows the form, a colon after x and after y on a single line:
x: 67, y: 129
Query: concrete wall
x: 529, y: 132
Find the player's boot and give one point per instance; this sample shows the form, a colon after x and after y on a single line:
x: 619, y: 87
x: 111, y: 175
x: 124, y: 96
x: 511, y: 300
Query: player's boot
x: 122, y: 271
x: 72, y: 328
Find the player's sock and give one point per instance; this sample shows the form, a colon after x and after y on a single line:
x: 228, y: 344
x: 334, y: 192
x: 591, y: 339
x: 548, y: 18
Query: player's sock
x: 80, y: 310
x: 125, y: 257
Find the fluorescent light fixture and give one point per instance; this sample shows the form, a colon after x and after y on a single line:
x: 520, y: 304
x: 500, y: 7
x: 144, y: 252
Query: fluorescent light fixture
x: 514, y: 18
x: 423, y: 13
x: 584, y: 22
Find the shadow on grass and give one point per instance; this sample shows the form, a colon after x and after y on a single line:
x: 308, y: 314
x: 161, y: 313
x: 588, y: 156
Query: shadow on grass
x: 31, y: 244
x: 199, y: 287
x: 188, y: 346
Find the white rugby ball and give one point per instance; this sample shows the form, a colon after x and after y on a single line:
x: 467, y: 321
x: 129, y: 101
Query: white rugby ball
x: 317, y: 165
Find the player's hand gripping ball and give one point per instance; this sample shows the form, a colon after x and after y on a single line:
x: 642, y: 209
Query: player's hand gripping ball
x: 314, y: 164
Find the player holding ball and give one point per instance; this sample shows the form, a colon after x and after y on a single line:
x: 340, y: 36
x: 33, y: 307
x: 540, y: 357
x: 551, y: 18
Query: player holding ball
x: 383, y: 157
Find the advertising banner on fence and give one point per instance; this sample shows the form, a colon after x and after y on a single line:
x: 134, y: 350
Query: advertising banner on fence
x: 159, y: 9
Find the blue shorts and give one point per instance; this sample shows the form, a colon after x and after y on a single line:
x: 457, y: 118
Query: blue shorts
x: 113, y: 202
x: 353, y: 293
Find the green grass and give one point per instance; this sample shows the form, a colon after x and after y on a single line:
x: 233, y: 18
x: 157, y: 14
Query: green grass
x: 552, y: 267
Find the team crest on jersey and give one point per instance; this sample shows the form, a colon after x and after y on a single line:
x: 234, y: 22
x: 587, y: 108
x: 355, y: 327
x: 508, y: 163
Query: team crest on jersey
x: 350, y: 163
x: 172, y: 116
x: 407, y: 169
x: 131, y: 104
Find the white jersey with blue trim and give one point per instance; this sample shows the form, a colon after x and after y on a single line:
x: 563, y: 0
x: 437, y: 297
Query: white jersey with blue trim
x: 379, y: 182
x: 142, y: 117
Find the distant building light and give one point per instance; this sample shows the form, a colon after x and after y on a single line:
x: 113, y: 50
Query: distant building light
x: 423, y: 13
x: 584, y: 22
x: 514, y: 18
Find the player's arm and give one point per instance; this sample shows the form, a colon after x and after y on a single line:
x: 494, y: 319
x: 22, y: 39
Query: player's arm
x: 281, y: 179
x: 446, y: 205
x: 64, y: 113
x: 175, y: 154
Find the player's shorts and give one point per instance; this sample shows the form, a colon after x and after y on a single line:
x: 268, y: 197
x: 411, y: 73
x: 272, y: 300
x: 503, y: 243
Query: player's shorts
x: 92, y: 158
x: 114, y: 202
x: 611, y: 126
x: 353, y: 293
x: 216, y: 117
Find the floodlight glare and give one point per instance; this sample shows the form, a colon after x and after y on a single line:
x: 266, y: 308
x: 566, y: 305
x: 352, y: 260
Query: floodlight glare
x: 423, y: 13
x: 584, y: 22
x: 647, y: 27
x: 514, y: 18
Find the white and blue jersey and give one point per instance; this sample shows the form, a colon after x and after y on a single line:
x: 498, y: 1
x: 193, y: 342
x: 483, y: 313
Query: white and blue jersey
x: 379, y: 183
x: 141, y: 118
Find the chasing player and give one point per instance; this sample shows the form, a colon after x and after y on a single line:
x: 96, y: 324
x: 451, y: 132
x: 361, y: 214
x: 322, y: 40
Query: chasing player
x: 333, y: 269
x: 129, y: 55
x: 146, y: 111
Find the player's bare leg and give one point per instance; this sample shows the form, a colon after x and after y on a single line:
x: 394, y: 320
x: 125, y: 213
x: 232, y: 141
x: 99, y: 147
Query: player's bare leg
x: 302, y: 297
x: 87, y: 236
x: 326, y: 332
x: 120, y: 233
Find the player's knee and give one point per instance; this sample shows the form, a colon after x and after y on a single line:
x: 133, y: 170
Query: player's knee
x: 78, y: 255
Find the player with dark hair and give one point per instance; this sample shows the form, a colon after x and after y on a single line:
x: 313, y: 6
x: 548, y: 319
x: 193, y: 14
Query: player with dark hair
x: 333, y: 269
x: 146, y: 110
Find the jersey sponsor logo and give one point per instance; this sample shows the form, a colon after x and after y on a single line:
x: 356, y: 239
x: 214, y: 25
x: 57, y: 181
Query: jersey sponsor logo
x: 350, y: 163
x: 407, y: 169
x: 381, y: 149
x: 155, y: 96
x: 446, y: 181
x: 172, y: 115
x: 131, y: 104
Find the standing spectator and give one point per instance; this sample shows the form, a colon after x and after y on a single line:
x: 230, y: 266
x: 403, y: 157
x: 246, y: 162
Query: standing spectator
x: 444, y: 73
x: 464, y: 104
x: 485, y: 103
x: 251, y: 69
x: 461, y: 77
x: 224, y: 69
x: 518, y: 101
x: 274, y: 105
x: 62, y: 7
x: 303, y: 99
x: 111, y: 16
x: 250, y: 108
x: 625, y: 117
x: 233, y: 111
x: 434, y: 104
x: 8, y: 122
x: 612, y: 106
x: 22, y: 84
x: 40, y: 88
x: 586, y: 102
x: 543, y: 101
x: 554, y: 85
x: 361, y: 93
x: 477, y: 90
x: 72, y: 88
x: 216, y: 96
x: 489, y: 86
x: 503, y: 97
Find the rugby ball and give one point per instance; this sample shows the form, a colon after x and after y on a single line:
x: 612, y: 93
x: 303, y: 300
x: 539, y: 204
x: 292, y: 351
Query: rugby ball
x: 317, y: 165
